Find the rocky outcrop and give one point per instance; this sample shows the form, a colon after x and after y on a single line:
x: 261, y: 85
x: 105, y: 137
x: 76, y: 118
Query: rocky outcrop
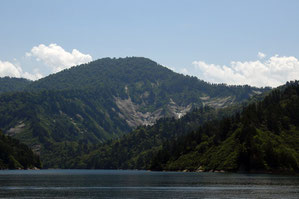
x: 130, y: 112
x: 17, y: 129
x: 218, y: 102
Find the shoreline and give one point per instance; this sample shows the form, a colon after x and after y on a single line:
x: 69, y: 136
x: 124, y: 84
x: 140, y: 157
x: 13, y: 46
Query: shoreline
x: 286, y: 173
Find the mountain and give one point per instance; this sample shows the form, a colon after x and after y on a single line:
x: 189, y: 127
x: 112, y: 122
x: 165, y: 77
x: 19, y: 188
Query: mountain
x: 102, y: 100
x: 136, y: 149
x: 15, y: 155
x: 11, y: 84
x: 264, y: 137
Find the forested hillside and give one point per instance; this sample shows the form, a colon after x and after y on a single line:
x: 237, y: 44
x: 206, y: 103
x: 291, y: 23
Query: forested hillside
x: 11, y: 84
x: 103, y: 100
x: 134, y: 150
x: 264, y: 137
x: 15, y: 155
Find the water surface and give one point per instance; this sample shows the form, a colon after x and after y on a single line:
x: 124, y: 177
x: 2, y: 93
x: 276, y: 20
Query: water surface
x: 143, y: 184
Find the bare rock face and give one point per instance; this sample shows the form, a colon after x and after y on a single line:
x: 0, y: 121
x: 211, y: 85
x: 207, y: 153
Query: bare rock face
x: 218, y: 102
x: 130, y: 112
x: 177, y: 111
x: 17, y: 129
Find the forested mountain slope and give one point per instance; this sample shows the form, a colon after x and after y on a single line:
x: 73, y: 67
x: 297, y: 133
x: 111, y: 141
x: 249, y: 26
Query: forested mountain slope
x: 136, y: 149
x: 11, y: 84
x: 15, y: 155
x: 145, y: 82
x: 263, y: 138
x: 102, y: 100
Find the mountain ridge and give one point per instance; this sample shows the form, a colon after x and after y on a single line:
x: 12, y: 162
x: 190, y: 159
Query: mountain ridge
x: 262, y: 138
x: 104, y: 99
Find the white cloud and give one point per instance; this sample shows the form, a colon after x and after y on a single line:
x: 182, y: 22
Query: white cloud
x: 184, y: 71
x: 272, y: 72
x: 261, y: 55
x: 9, y: 69
x: 13, y: 70
x: 57, y: 58
x: 33, y: 76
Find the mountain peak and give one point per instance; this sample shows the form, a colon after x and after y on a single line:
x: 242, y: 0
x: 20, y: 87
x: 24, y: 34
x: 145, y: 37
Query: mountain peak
x: 104, y: 99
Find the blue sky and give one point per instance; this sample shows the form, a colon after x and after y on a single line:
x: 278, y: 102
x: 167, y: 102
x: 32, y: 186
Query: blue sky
x: 210, y: 39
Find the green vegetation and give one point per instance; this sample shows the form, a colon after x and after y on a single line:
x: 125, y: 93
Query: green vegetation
x: 264, y: 137
x: 135, y: 150
x: 50, y: 120
x: 147, y: 83
x: 65, y: 115
x: 11, y: 84
x: 15, y: 155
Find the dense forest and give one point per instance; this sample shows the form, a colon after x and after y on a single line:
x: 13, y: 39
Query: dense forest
x: 77, y: 122
x: 15, y: 155
x: 263, y: 137
x: 136, y: 150
x: 102, y: 100
x: 12, y: 84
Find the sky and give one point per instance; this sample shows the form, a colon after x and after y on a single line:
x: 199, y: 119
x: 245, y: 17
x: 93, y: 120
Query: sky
x: 219, y: 41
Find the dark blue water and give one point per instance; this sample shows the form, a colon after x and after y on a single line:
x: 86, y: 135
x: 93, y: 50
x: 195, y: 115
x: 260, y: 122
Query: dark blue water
x: 143, y: 184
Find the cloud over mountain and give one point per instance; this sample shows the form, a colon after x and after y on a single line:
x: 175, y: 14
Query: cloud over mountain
x: 12, y: 70
x: 273, y: 72
x: 9, y: 69
x: 55, y: 57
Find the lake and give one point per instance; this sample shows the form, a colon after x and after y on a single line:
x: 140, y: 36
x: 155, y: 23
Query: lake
x: 143, y: 184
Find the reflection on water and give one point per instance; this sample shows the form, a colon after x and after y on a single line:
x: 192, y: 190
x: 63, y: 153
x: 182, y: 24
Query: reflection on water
x: 143, y: 184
